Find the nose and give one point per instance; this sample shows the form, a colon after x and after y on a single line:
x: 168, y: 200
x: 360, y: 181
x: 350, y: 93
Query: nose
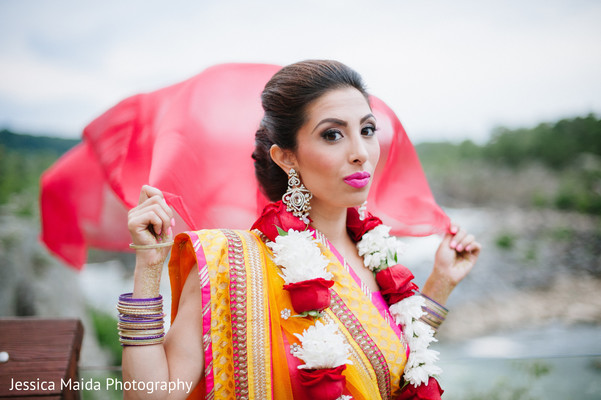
x: 358, y: 153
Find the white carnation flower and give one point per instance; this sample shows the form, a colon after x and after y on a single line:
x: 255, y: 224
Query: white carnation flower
x: 299, y: 256
x: 407, y: 310
x: 322, y: 346
x: 420, y: 365
x: 380, y: 250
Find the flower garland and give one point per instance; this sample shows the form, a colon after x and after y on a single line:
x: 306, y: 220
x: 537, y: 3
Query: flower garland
x: 304, y: 270
x: 323, y: 348
x: 381, y: 252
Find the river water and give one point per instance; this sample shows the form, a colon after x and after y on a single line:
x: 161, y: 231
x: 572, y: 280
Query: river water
x: 554, y: 362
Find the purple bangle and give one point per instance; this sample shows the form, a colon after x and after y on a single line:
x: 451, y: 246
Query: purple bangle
x: 433, y: 312
x: 127, y: 318
x: 434, y: 301
x: 143, y: 337
x: 126, y: 297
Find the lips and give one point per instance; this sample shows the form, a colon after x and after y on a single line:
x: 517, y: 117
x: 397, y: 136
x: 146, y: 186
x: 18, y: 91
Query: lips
x: 358, y: 179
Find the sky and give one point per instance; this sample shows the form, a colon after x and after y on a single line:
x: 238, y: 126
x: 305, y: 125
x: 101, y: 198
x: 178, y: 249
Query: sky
x: 451, y: 70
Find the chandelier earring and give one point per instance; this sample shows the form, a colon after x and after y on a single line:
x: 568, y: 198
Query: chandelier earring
x: 297, y: 197
x: 362, y: 210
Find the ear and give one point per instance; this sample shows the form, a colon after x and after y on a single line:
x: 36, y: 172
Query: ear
x: 284, y: 158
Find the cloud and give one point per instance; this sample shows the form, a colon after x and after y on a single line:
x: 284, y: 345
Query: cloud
x: 449, y: 70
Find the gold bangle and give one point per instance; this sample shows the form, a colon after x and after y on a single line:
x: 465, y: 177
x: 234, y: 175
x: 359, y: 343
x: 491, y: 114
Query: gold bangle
x: 150, y: 246
x: 134, y: 342
x: 132, y: 334
x: 157, y: 308
x: 133, y: 327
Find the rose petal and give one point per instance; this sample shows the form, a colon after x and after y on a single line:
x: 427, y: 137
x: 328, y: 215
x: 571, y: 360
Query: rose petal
x: 275, y: 216
x: 396, y: 283
x: 313, y: 294
x: 356, y: 228
x: 327, y: 383
x: 430, y: 391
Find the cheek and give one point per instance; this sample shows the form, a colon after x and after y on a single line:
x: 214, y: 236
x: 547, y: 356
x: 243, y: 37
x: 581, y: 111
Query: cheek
x: 317, y: 167
x: 320, y: 163
x: 374, y: 153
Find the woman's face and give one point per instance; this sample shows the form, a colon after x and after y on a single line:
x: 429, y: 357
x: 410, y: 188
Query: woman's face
x: 337, y: 150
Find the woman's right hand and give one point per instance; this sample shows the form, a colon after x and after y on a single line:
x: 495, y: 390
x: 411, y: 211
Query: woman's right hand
x: 151, y: 222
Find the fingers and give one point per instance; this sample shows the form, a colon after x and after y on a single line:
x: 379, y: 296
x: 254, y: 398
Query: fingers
x: 458, y: 236
x: 152, y: 216
x: 147, y: 192
x: 474, y: 248
x: 461, y: 240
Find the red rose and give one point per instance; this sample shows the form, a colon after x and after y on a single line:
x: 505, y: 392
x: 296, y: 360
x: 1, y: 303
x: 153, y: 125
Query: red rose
x: 275, y: 216
x: 429, y: 391
x: 326, y: 384
x: 396, y: 283
x: 313, y: 294
x: 356, y: 228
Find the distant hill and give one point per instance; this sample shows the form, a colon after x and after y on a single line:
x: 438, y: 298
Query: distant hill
x: 554, y: 164
x: 21, y: 142
x: 23, y: 158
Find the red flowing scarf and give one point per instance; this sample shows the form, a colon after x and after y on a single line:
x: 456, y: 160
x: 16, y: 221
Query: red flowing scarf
x: 194, y: 140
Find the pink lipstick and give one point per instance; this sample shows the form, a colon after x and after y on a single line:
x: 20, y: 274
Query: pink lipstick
x: 358, y: 179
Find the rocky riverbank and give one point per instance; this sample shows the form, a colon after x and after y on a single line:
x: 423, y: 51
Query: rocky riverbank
x: 536, y: 267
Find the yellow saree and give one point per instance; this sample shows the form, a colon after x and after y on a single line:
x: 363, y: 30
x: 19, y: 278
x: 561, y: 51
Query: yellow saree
x: 249, y: 323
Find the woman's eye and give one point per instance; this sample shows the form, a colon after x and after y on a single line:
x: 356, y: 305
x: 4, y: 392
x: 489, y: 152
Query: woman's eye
x: 368, y: 130
x: 332, y: 135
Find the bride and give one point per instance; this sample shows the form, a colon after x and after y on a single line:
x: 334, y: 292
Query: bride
x: 312, y: 302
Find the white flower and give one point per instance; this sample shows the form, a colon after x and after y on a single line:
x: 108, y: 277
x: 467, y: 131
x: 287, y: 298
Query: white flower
x: 406, y: 311
x: 420, y: 365
x: 299, y: 256
x: 285, y: 313
x: 323, y: 346
x: 379, y: 249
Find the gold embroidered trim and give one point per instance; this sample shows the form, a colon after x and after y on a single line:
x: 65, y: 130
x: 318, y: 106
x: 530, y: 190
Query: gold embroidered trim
x: 238, y: 292
x: 252, y: 370
x: 365, y: 342
x: 260, y: 376
x: 358, y: 360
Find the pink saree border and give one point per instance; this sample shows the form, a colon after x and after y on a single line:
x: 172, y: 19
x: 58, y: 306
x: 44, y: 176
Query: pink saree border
x: 205, y: 287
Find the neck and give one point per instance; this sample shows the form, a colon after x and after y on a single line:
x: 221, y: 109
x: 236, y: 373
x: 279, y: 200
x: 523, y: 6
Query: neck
x: 331, y: 222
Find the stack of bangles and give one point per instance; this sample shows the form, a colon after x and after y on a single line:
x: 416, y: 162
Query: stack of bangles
x: 435, y: 313
x: 141, y: 321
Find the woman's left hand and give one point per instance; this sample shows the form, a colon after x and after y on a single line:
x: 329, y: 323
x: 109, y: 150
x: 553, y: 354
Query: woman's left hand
x: 455, y: 258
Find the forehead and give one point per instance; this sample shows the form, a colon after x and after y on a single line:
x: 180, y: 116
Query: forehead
x: 344, y: 103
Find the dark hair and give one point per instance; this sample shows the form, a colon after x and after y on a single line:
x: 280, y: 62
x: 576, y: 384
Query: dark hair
x: 285, y: 100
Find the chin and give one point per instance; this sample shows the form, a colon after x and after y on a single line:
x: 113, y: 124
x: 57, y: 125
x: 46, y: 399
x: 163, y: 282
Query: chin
x: 357, y: 201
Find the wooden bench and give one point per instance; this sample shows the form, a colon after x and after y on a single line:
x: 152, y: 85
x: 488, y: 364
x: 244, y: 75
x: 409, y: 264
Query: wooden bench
x: 42, y: 358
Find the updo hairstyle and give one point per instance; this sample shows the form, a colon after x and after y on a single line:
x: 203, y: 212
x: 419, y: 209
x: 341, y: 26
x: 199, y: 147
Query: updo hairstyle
x: 285, y: 100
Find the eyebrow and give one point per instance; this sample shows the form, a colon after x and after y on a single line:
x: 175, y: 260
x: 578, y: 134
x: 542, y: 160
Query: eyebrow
x: 340, y: 122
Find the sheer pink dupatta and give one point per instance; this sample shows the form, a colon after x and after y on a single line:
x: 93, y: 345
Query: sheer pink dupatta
x: 194, y: 140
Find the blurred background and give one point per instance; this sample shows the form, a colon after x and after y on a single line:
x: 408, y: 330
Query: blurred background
x: 503, y: 102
